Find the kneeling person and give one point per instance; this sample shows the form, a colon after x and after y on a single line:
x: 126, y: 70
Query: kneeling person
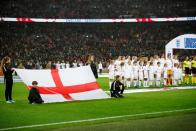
x: 34, y: 96
x: 117, y: 87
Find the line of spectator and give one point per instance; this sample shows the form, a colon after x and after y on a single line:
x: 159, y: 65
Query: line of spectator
x: 43, y: 42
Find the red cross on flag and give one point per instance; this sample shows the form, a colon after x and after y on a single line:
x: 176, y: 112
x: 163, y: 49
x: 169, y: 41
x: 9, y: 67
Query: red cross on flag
x: 64, y: 84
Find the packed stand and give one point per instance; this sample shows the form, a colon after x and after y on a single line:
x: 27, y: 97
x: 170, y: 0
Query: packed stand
x: 97, y: 8
x: 34, y: 45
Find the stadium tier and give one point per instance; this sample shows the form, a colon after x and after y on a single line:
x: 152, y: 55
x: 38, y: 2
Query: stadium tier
x: 43, y: 42
x: 97, y: 8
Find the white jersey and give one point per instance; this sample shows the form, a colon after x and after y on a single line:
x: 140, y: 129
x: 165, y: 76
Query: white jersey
x: 165, y: 69
x: 141, y: 73
x: 100, y: 66
x: 135, y: 72
x: 111, y: 71
x: 151, y: 69
x: 175, y: 73
x: 145, y: 72
x: 175, y: 61
x: 162, y: 62
x: 67, y: 65
x: 80, y: 64
x: 63, y: 65
x: 158, y: 71
x: 128, y: 71
x: 126, y: 61
x: 155, y: 62
x: 180, y: 73
x: 151, y: 72
x: 121, y: 71
x: 74, y: 64
x: 169, y: 63
x: 58, y: 66
x: 117, y: 62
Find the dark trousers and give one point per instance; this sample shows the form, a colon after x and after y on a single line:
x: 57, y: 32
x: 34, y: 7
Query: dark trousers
x: 100, y: 71
x: 38, y: 101
x: 8, y: 89
x: 117, y: 93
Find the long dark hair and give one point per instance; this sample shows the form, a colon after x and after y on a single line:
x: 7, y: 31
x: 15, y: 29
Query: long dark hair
x: 91, y: 59
x: 4, y: 60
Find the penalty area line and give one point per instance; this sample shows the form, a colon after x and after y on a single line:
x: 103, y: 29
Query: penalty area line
x: 94, y: 119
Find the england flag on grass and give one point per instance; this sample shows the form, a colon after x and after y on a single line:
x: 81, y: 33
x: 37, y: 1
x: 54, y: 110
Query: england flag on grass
x: 64, y: 84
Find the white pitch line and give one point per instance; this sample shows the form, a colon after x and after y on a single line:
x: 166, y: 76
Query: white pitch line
x: 156, y: 89
x: 95, y: 119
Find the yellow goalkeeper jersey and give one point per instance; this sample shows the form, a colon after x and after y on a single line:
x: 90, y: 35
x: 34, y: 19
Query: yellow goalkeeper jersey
x: 193, y: 63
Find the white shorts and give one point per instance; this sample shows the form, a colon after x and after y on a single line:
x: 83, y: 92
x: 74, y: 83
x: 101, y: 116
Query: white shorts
x: 146, y: 75
x: 151, y: 76
x: 141, y: 76
x: 128, y: 75
x: 121, y: 74
x: 176, y: 77
x: 165, y: 75
x: 135, y: 76
x: 111, y: 75
x: 158, y: 77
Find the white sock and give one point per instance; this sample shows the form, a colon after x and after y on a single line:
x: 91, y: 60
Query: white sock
x: 145, y: 84
x: 140, y: 83
x: 150, y: 83
x: 110, y: 83
x: 134, y: 83
x: 123, y: 81
x: 128, y: 83
x: 157, y: 83
x: 165, y: 82
x: 179, y: 81
x: 175, y: 82
x: 131, y: 83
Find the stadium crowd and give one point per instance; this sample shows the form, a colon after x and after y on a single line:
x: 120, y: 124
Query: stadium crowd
x: 34, y: 45
x: 97, y: 8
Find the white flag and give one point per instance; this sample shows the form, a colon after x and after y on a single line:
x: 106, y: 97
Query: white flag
x: 64, y: 84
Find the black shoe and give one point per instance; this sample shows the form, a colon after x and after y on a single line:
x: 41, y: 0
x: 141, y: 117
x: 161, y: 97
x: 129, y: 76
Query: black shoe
x: 120, y: 96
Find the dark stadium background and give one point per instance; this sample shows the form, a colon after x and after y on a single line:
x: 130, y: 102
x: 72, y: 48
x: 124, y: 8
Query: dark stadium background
x: 41, y: 42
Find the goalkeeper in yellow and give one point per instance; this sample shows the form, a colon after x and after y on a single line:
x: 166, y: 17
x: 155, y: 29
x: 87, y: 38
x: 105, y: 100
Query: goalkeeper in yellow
x: 193, y: 70
x: 186, y: 69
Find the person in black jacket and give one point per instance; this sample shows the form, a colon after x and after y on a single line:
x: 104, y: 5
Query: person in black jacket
x: 91, y: 62
x: 34, y: 96
x: 8, y: 78
x: 117, y: 88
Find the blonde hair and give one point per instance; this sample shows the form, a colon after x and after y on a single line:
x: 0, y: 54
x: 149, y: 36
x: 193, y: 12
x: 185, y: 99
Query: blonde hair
x: 4, y: 60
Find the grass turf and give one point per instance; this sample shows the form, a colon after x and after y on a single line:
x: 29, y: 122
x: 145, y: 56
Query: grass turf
x: 21, y: 113
x: 178, y: 122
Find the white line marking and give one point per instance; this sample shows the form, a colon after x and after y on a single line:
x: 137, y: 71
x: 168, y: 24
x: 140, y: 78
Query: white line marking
x: 95, y: 119
x: 156, y: 89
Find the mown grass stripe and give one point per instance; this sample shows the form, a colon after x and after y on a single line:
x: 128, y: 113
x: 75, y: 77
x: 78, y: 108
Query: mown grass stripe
x: 96, y: 119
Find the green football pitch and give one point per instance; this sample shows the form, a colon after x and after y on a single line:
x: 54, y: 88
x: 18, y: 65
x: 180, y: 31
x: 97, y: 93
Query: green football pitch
x: 166, y: 110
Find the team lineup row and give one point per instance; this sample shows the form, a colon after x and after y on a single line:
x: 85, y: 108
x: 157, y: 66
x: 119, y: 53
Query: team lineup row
x: 154, y: 72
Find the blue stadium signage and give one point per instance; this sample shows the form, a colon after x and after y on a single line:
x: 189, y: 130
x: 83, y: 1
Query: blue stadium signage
x: 190, y: 43
x: 191, y: 18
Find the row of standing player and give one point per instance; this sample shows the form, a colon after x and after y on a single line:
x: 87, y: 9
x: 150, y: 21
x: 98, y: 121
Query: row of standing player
x: 63, y: 65
x: 134, y: 72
